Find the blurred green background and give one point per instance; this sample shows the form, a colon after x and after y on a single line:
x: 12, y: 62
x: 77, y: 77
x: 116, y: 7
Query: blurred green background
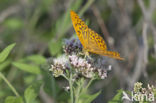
x: 39, y: 27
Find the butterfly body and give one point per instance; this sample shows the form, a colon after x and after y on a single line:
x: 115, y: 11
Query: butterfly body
x: 90, y: 40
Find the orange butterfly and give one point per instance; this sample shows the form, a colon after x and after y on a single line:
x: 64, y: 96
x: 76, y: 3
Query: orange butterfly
x: 91, y: 41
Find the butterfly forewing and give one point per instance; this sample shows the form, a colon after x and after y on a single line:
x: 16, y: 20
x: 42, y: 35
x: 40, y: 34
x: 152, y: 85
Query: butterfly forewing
x: 80, y: 28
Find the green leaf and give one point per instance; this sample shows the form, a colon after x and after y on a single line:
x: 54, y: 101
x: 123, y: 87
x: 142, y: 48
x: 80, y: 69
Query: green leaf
x: 29, y: 79
x: 4, y: 54
x: 13, y: 23
x: 38, y: 59
x: 27, y: 67
x: 76, y: 5
x: 50, y: 85
x: 4, y: 64
x: 154, y: 16
x: 12, y: 99
x: 55, y: 47
x: 91, y: 97
x: 31, y: 92
x: 117, y: 98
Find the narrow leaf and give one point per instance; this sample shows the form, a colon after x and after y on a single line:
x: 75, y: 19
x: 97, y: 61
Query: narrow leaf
x: 4, y: 64
x: 27, y: 67
x: 92, y: 97
x: 4, y: 54
x: 38, y: 59
x: 117, y: 98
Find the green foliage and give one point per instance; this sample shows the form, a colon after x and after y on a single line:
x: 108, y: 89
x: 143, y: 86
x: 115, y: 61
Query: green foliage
x: 4, y: 54
x: 37, y: 59
x: 154, y: 16
x: 136, y: 15
x: 12, y: 99
x: 88, y: 98
x: 50, y: 86
x: 117, y: 98
x: 81, y: 92
x: 31, y: 92
x: 55, y: 47
x: 4, y: 64
x: 33, y: 66
x: 13, y: 23
x: 155, y: 93
x: 147, y: 3
x: 27, y: 67
x: 29, y: 79
x: 61, y: 27
x: 39, y: 29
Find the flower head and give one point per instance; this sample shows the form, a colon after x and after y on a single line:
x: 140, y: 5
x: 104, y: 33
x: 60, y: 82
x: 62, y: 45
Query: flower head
x: 89, y: 67
x: 59, y: 65
x: 72, y: 46
x: 149, y: 90
x: 137, y: 87
x: 86, y: 67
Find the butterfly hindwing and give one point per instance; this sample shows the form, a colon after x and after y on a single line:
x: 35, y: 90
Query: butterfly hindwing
x: 96, y: 40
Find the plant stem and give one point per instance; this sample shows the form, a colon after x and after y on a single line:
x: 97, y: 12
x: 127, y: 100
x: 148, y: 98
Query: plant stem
x: 80, y: 85
x: 9, y: 84
x: 65, y: 77
x: 87, y: 5
x: 89, y: 83
x: 71, y: 88
x: 53, y: 84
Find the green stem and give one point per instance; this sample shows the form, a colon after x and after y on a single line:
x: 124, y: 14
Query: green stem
x: 78, y: 91
x: 71, y: 88
x: 65, y: 77
x: 89, y: 83
x: 77, y: 95
x: 53, y: 84
x: 9, y: 84
x: 87, y: 5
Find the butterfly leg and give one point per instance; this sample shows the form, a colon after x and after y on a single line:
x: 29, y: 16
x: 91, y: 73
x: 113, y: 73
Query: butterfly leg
x: 86, y: 53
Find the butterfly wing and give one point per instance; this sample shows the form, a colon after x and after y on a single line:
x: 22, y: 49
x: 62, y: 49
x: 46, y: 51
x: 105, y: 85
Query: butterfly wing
x: 86, y: 35
x: 96, y: 41
x: 111, y: 54
x: 97, y: 45
x: 91, y: 41
x: 80, y: 28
